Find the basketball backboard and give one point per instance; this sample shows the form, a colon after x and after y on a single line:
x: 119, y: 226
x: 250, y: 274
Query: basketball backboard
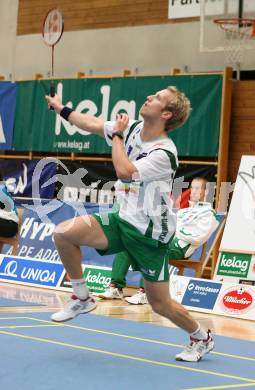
x: 212, y: 37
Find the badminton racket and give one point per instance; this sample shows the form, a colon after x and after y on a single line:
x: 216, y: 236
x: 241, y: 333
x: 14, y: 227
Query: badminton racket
x: 53, y: 27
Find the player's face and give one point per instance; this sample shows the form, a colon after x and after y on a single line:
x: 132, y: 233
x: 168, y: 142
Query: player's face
x: 197, y: 193
x: 155, y: 104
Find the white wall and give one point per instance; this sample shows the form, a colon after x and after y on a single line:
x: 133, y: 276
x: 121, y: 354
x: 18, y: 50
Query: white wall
x: 151, y: 49
x: 8, y: 18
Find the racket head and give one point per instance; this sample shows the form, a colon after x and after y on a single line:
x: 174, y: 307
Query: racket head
x: 53, y: 26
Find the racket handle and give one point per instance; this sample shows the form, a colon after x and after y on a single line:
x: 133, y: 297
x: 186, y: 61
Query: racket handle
x: 52, y: 92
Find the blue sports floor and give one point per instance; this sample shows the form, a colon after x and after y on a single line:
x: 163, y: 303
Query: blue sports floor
x: 16, y: 302
x: 97, y: 352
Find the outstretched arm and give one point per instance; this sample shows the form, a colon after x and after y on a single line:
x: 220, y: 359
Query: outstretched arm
x: 83, y: 121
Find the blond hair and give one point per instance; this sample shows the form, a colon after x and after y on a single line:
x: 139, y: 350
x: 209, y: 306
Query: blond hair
x: 179, y: 106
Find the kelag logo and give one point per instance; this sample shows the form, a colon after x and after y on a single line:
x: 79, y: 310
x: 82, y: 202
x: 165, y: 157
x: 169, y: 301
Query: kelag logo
x: 234, y: 264
x: 30, y: 271
x: 98, y: 279
x: 201, y: 294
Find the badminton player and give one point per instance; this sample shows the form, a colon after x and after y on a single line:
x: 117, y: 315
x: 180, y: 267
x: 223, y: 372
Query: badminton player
x: 143, y: 224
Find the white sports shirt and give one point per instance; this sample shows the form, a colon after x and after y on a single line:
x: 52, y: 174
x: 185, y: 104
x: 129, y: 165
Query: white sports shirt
x: 195, y: 224
x: 145, y: 201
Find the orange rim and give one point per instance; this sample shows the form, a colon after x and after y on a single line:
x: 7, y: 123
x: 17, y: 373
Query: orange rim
x: 226, y: 24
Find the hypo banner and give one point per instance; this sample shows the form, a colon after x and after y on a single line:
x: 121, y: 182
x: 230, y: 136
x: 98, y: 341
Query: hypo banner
x: 7, y: 113
x: 39, y: 221
x: 38, y: 129
x: 36, y: 234
x: 19, y: 177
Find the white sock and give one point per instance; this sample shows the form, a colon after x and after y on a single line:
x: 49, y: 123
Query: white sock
x: 80, y: 288
x: 199, y: 334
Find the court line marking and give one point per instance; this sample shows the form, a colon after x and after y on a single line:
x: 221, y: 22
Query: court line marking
x: 14, y: 318
x: 222, y: 387
x: 130, y: 357
x: 123, y: 336
x: 138, y: 338
x: 29, y: 326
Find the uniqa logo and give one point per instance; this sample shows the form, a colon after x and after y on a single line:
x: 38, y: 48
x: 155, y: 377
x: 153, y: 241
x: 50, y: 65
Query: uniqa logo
x: 10, y: 269
x: 38, y: 275
x: 237, y: 300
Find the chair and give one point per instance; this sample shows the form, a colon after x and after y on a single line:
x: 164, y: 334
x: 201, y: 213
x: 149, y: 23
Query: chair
x: 13, y: 241
x: 199, y: 265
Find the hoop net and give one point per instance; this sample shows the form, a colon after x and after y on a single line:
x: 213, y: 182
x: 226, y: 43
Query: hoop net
x: 236, y: 33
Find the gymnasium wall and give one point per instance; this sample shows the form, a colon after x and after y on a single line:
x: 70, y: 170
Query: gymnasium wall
x: 141, y: 37
x: 138, y: 36
x: 93, y: 14
x: 8, y: 25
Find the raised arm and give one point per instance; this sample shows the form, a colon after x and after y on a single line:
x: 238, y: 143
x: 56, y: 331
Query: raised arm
x: 123, y: 166
x: 83, y: 121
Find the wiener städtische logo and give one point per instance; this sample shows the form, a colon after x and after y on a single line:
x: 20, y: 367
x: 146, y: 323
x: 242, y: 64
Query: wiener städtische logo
x: 201, y: 293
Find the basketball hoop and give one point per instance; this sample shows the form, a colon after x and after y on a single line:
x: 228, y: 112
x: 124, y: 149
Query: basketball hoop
x: 236, y: 34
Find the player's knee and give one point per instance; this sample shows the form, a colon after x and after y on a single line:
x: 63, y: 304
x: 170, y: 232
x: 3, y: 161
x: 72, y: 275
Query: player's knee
x: 59, y: 234
x: 158, y: 306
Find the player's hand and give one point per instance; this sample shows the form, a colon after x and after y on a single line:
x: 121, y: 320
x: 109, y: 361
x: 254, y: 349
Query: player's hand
x: 54, y: 101
x: 121, y: 122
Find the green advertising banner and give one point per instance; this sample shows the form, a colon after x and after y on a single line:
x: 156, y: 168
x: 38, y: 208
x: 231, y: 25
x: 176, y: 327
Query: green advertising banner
x: 98, y: 279
x: 38, y: 129
x: 234, y: 264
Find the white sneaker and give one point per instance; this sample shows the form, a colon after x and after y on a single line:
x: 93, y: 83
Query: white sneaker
x: 112, y: 293
x: 196, y: 349
x: 73, y: 308
x: 138, y: 299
